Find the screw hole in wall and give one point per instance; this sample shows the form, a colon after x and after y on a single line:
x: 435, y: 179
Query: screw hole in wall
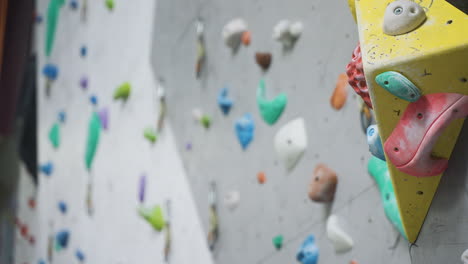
x: 449, y: 22
x: 419, y: 193
x: 463, y: 80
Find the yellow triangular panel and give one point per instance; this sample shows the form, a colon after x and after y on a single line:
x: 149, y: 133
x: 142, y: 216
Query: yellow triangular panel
x: 435, y: 58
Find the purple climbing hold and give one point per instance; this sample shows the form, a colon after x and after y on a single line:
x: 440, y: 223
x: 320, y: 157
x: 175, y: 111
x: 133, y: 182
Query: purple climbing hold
x: 142, y: 188
x: 104, y: 117
x: 47, y: 168
x: 188, y: 146
x: 84, y: 83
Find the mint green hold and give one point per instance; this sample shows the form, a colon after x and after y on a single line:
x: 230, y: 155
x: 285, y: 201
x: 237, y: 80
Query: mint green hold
x: 53, y: 12
x: 398, y: 85
x: 54, y: 135
x: 379, y: 171
x: 94, y: 130
x: 270, y: 110
x: 154, y: 216
x: 278, y: 241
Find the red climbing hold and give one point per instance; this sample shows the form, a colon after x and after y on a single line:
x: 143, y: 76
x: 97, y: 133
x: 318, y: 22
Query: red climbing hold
x: 356, y: 77
x: 24, y: 231
x: 32, y: 203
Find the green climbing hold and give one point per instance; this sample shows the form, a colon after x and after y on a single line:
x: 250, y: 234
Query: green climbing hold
x: 54, y: 135
x: 398, y: 85
x: 52, y: 19
x: 123, y: 91
x: 110, y: 4
x: 205, y: 121
x: 379, y: 171
x: 270, y: 110
x: 94, y: 130
x: 154, y: 216
x: 150, y: 135
x: 278, y: 241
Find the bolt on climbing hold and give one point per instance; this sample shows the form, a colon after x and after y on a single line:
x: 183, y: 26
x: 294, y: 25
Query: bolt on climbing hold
x: 142, y: 188
x: 84, y: 82
x: 83, y: 51
x: 291, y: 142
x: 398, y: 85
x: 374, y: 142
x: 308, y: 253
x: 62, y: 206
x: 232, y: 199
x: 263, y: 60
x: 54, y: 135
x: 245, y: 128
x: 278, y: 242
x: 110, y: 4
x: 323, y: 185
x: 246, y: 38
x: 104, y: 117
x: 154, y: 216
x: 402, y: 16
x: 261, y: 177
x: 341, y: 241
x: 61, y: 239
x: 232, y: 33
x: 464, y: 257
x: 123, y: 91
x: 150, y: 135
x: 287, y: 32
x: 224, y: 102
x: 93, y: 99
x: 47, y: 168
x: 79, y: 255
x: 340, y: 94
x: 94, y: 131
x: 270, y: 110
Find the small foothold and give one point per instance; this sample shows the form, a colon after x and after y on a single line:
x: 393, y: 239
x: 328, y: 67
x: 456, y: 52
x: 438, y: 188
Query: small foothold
x: 464, y: 257
x: 123, y: 91
x: 402, y: 16
x: 245, y: 128
x: 62, y: 117
x: 84, y: 83
x: 339, y: 238
x: 323, y: 185
x: 291, y: 142
x: 154, y: 216
x: 188, y: 146
x: 62, y: 206
x: 54, y: 135
x: 261, y: 177
x: 308, y: 253
x: 224, y: 102
x: 104, y: 118
x: 374, y: 142
x: 263, y: 60
x: 83, y: 51
x: 142, y: 188
x: 278, y: 242
x: 80, y: 255
x: 74, y: 4
x: 205, y: 121
x: 340, y: 94
x: 24, y: 230
x: 246, y: 38
x: 61, y: 239
x: 150, y: 135
x: 232, y: 32
x: 93, y: 99
x: 110, y: 4
x: 270, y: 110
x: 232, y: 199
x: 32, y: 203
x: 50, y: 71
x: 398, y: 85
x: 47, y: 168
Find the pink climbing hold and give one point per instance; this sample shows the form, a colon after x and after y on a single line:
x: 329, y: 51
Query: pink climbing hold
x: 356, y: 77
x: 410, y: 145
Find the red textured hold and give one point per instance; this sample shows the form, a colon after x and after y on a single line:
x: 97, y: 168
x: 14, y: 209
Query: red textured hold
x: 356, y: 77
x: 24, y: 231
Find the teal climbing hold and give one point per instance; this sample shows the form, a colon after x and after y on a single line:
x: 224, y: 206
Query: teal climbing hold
x: 278, y: 241
x: 398, y: 85
x: 52, y: 19
x: 54, y: 135
x: 94, y: 130
x: 270, y: 110
x: 379, y: 171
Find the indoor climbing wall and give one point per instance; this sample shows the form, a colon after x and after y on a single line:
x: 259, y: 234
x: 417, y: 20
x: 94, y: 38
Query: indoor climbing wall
x: 99, y: 162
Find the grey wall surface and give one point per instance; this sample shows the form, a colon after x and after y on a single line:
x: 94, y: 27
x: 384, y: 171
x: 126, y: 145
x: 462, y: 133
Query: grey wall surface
x: 308, y: 75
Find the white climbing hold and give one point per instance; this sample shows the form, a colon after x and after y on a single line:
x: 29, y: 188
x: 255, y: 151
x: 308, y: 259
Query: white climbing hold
x: 340, y: 239
x: 287, y: 33
x: 232, y: 199
x: 402, y: 16
x: 291, y: 142
x: 464, y: 257
x: 197, y: 114
x: 296, y: 28
x: 232, y: 32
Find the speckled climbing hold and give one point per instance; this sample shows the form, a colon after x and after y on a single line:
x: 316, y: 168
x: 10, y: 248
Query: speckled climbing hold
x: 61, y: 239
x: 232, y: 199
x: 94, y: 131
x: 291, y: 142
x: 93, y: 99
x: 232, y: 32
x: 341, y: 241
x: 340, y: 94
x: 62, y: 117
x: 83, y: 51
x: 374, y: 142
x: 154, y: 216
x: 464, y: 257
x: 52, y: 21
x: 224, y: 102
x: 110, y: 4
x: 142, y: 188
x: 123, y: 91
x: 270, y: 110
x: 84, y: 83
x: 62, y: 206
x: 263, y: 60
x: 308, y: 252
x: 104, y: 118
x: 379, y: 171
x: 398, y: 85
x: 80, y: 255
x: 47, y: 168
x: 261, y: 177
x: 278, y: 242
x: 246, y: 38
x: 323, y: 185
x: 54, y: 135
x: 73, y: 4
x: 245, y: 128
x: 150, y: 135
x: 402, y: 16
x: 50, y: 71
x: 356, y: 77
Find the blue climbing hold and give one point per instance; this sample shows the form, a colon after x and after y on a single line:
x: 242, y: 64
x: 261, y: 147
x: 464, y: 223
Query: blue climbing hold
x: 50, y: 71
x: 93, y: 99
x: 83, y: 51
x: 374, y: 142
x: 62, y: 116
x: 308, y: 252
x: 61, y: 239
x: 39, y: 19
x: 41, y: 261
x: 224, y: 102
x: 47, y: 168
x: 79, y: 255
x: 62, y: 207
x: 74, y: 4
x: 245, y: 130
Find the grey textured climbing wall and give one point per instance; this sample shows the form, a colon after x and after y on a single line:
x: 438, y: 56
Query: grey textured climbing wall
x: 307, y: 74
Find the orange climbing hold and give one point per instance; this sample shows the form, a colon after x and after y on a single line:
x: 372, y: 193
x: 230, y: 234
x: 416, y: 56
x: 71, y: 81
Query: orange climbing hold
x: 246, y: 38
x: 338, y: 98
x: 261, y: 177
x: 353, y: 262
